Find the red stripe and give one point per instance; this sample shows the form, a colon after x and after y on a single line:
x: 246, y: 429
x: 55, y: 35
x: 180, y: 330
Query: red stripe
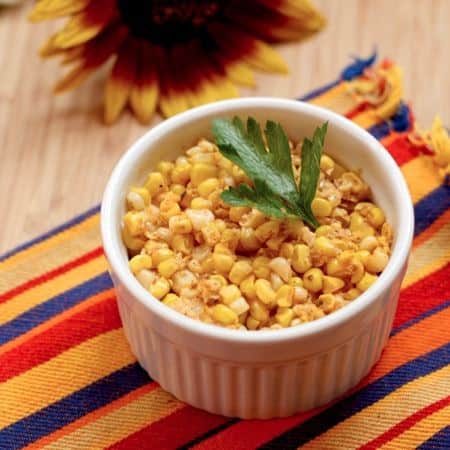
x: 96, y: 319
x: 405, y: 424
x: 401, y: 149
x: 423, y: 295
x: 359, y: 109
x: 51, y: 274
x: 172, y: 431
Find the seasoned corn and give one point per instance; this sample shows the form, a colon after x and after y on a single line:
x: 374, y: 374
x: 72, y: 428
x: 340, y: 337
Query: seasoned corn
x: 224, y: 315
x: 140, y: 262
x: 168, y: 267
x: 321, y: 207
x: 155, y: 183
x: 160, y: 288
x: 239, y: 271
x: 301, y: 258
x: 313, y: 280
x: 264, y: 291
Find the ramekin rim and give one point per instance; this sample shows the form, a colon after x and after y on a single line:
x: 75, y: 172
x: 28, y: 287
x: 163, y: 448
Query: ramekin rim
x: 111, y: 240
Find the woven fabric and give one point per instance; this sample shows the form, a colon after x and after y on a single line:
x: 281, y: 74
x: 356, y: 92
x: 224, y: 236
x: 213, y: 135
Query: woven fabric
x: 69, y: 380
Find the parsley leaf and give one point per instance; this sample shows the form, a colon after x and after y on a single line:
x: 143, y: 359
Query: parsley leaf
x: 275, y: 191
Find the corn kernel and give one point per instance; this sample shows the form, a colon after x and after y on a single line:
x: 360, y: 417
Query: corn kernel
x: 366, y: 281
x: 264, y: 291
x: 301, y: 259
x: 219, y: 279
x: 252, y: 323
x: 200, y: 203
x: 236, y: 212
x: 201, y: 172
x: 296, y: 281
x: 239, y: 271
x: 323, y: 246
x: 178, y: 189
x: 139, y: 199
x: 276, y: 281
x: 351, y: 294
x: 229, y: 293
x: 300, y: 295
x: 181, y: 174
x: 155, y: 183
x: 327, y: 303
x: 284, y: 317
x: 281, y: 267
x: 375, y: 217
x: 139, y: 262
x: 362, y: 255
x: 356, y: 220
x: 287, y: 250
x: 146, y: 278
x: 261, y: 267
x: 332, y: 284
x: 239, y: 306
x: 285, y: 295
x: 180, y: 224
x: 134, y: 223
x: 199, y: 217
x: 259, y: 311
x: 208, y: 264
x: 160, y: 288
x: 168, y: 267
x: 323, y: 230
x: 248, y: 240
x: 208, y: 186
x: 224, y: 315
x: 182, y: 243
x: 313, y: 280
x: 132, y: 243
x: 376, y: 262
x: 171, y: 300
x: 230, y: 238
x: 211, y: 234
x: 222, y: 262
x: 183, y: 279
x: 356, y: 269
x: 267, y: 230
x: 253, y: 219
x: 368, y: 243
x: 161, y: 254
x: 247, y: 287
x: 165, y: 168
x: 321, y: 207
x: 326, y: 164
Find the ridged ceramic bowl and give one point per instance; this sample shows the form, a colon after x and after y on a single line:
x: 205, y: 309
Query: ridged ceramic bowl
x: 259, y: 374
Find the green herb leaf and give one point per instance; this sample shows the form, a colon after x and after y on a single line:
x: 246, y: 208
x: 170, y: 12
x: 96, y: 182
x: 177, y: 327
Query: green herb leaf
x: 274, y: 192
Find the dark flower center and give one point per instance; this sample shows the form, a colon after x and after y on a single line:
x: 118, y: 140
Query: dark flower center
x: 168, y: 22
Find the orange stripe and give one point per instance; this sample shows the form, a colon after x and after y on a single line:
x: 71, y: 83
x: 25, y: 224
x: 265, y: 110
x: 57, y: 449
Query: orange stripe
x: 94, y: 415
x: 56, y: 319
x: 429, y: 232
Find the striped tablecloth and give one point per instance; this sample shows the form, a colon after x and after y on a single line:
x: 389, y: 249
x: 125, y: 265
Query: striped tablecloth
x: 69, y: 380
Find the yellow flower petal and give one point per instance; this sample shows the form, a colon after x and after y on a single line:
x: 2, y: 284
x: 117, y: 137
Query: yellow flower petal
x: 240, y: 73
x: 263, y: 57
x: 50, y: 9
x: 73, y: 79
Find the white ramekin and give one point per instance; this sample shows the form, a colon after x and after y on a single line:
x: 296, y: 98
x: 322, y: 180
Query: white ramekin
x: 259, y: 374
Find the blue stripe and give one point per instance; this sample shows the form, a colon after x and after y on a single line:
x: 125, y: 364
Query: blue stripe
x: 319, y: 91
x: 72, y: 407
x: 54, y: 306
x: 75, y: 221
x: 422, y: 316
x: 431, y: 207
x: 315, y: 426
x: 358, y: 66
x: 400, y: 121
x: 440, y: 440
x: 380, y: 130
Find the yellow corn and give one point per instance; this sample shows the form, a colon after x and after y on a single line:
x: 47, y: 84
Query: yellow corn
x: 267, y: 230
x: 264, y: 291
x: 323, y: 230
x: 351, y: 294
x: 168, y: 267
x: 178, y: 189
x: 181, y: 174
x: 239, y: 271
x: 323, y: 246
x: 222, y: 262
x: 138, y: 198
x: 224, y: 315
x: 132, y: 243
x: 301, y: 258
x: 161, y: 254
x: 139, y: 262
x: 357, y: 270
x: 160, y: 288
x: 369, y: 243
x: 284, y: 317
x: 247, y: 287
x: 327, y: 303
x: 200, y: 203
x: 300, y: 294
x: 285, y: 295
x: 326, y: 164
x: 134, y: 223
x: 248, y: 240
x: 296, y: 281
x: 229, y: 293
x: 155, y: 183
x: 201, y: 172
x: 206, y: 187
x: 146, y: 278
x: 313, y: 280
x: 182, y: 243
x: 259, y: 311
x: 321, y: 207
x: 236, y: 212
x: 366, y: 281
x: 171, y: 300
x: 375, y: 217
x: 281, y: 267
x: 252, y: 323
x: 239, y: 306
x: 261, y: 267
x: 287, y: 250
x: 165, y: 168
x: 180, y: 224
x: 376, y: 262
x: 208, y: 264
x: 332, y: 284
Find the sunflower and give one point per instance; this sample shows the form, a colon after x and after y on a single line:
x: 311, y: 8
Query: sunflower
x: 172, y: 54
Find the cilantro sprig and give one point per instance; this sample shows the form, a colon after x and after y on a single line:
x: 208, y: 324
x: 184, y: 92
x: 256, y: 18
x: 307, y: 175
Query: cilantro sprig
x: 269, y: 166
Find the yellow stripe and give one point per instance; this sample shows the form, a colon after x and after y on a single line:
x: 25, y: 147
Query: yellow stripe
x: 77, y: 244
x: 385, y: 413
x: 43, y: 292
x: 429, y: 257
x: 61, y: 376
x: 121, y: 422
x: 421, y: 431
x: 421, y: 177
x: 53, y: 241
x: 336, y: 99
